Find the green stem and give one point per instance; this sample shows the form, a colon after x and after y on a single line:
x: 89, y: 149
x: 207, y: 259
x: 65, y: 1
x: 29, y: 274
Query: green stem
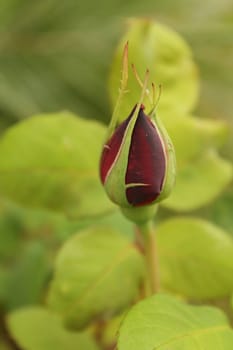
x: 151, y: 255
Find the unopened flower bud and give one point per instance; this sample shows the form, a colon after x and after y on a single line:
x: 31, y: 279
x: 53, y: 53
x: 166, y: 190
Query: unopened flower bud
x: 137, y: 166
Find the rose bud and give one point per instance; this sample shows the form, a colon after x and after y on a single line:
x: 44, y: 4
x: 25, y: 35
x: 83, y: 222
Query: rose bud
x: 137, y: 166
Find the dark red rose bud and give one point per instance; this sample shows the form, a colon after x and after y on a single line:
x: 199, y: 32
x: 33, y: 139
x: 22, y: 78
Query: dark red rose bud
x: 135, y: 161
x: 137, y: 166
x: 146, y: 163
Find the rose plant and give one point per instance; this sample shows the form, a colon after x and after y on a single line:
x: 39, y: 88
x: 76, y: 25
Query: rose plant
x: 97, y: 277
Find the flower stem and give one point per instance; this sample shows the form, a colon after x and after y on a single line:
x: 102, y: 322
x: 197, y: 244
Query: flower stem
x: 151, y: 256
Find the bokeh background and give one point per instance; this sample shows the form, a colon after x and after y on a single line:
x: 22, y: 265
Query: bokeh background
x: 56, y: 56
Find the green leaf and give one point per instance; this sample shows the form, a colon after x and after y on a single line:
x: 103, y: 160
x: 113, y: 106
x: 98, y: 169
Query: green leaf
x: 162, y: 322
x: 169, y: 60
x: 28, y: 276
x: 196, y: 258
x: 35, y: 328
x: 58, y: 168
x: 97, y: 273
x: 199, y: 182
x: 191, y: 135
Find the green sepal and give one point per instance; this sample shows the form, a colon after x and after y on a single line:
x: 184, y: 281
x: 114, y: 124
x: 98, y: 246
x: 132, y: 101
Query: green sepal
x: 115, y: 182
x: 170, y: 175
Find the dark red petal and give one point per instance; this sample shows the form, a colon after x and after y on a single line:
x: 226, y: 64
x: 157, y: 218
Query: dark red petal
x: 111, y: 148
x: 146, y: 163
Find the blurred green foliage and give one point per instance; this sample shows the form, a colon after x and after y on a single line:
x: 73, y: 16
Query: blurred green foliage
x: 181, y: 326
x: 35, y: 328
x: 88, y: 271
x: 59, y: 164
x: 57, y: 56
